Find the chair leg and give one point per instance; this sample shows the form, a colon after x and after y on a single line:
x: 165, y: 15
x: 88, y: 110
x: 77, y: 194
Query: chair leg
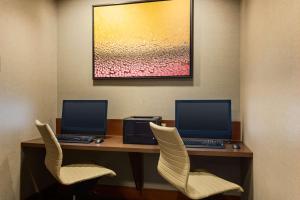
x: 79, y: 191
x: 82, y: 190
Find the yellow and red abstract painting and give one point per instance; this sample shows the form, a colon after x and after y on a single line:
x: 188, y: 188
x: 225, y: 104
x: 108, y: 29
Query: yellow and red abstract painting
x: 142, y: 40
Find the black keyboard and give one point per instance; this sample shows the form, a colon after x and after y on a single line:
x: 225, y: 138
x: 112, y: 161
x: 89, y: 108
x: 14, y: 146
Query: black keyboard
x: 69, y: 138
x: 203, y: 143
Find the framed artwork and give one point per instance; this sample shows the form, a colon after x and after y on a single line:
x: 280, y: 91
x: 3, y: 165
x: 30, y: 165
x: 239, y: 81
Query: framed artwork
x: 144, y: 39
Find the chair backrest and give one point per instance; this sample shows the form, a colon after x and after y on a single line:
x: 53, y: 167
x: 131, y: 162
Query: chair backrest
x: 54, y: 155
x: 174, y: 162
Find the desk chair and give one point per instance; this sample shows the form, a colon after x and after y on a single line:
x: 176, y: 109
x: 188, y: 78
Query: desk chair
x: 174, y: 166
x: 69, y: 174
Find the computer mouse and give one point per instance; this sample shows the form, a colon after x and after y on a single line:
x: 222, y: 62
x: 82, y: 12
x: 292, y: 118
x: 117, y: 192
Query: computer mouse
x: 236, y: 146
x: 98, y: 140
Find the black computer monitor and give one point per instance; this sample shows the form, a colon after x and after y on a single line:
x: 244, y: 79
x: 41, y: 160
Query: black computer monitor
x: 84, y: 117
x: 203, y: 118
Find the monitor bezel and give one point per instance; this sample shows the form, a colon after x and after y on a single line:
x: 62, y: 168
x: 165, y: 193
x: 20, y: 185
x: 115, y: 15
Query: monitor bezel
x: 80, y: 132
x: 198, y: 133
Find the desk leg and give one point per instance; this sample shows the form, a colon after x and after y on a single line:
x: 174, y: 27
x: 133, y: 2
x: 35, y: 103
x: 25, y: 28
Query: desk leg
x: 246, y: 178
x: 137, y: 168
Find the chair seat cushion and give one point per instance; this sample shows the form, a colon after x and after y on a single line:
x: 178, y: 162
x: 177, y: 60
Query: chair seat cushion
x: 203, y: 184
x: 74, y: 173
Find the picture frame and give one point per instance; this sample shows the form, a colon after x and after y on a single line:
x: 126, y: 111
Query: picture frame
x: 130, y: 41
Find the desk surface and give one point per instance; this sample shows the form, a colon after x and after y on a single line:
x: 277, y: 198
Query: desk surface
x: 115, y: 143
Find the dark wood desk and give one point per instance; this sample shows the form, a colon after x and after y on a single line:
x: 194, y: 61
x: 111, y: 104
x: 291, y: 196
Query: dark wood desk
x: 135, y: 152
x: 114, y: 143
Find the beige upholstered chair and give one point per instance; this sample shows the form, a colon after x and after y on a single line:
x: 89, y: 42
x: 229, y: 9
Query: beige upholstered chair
x: 174, y: 166
x: 68, y: 174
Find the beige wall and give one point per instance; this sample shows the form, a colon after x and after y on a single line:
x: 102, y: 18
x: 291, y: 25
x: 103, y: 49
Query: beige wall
x: 28, y: 80
x: 216, y: 63
x: 270, y: 95
x: 216, y: 74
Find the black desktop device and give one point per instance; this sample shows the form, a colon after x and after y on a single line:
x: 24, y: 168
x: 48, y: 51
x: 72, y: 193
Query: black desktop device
x: 136, y: 129
x: 206, y: 121
x: 83, y: 120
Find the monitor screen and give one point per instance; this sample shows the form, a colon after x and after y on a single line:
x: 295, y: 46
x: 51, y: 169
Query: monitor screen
x: 203, y: 118
x: 84, y: 117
